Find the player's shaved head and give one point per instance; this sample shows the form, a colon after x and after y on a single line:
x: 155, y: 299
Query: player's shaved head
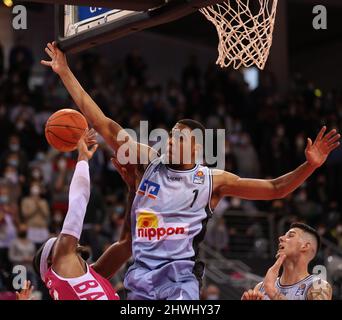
x: 192, y: 124
x: 310, y: 235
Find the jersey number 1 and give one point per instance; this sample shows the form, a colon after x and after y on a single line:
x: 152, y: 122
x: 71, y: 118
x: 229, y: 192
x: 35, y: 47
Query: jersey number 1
x: 195, y: 197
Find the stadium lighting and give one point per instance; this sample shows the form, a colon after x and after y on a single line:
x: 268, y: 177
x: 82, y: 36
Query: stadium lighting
x: 8, y: 3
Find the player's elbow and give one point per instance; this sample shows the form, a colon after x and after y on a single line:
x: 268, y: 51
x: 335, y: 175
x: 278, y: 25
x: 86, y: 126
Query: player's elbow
x: 278, y: 191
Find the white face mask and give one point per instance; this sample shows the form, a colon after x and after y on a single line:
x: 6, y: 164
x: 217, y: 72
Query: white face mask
x: 212, y: 297
x: 62, y: 164
x: 40, y: 156
x: 4, y: 199
x: 20, y: 125
x: 35, y: 191
x: 36, y: 174
x: 13, y: 162
x: 58, y: 217
x: 12, y: 177
x: 14, y: 147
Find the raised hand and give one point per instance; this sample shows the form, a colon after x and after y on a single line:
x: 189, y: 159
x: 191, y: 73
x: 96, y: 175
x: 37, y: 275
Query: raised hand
x: 58, y: 61
x: 26, y: 292
x: 317, y: 153
x: 272, y: 275
x: 87, y: 145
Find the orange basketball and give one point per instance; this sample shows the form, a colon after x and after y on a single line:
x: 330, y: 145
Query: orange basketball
x: 64, y: 129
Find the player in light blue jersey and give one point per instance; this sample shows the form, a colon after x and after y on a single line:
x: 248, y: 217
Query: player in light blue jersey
x: 174, y: 201
x: 295, y: 251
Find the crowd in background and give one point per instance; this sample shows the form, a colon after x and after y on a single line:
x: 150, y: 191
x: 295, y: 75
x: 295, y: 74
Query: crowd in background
x: 266, y: 137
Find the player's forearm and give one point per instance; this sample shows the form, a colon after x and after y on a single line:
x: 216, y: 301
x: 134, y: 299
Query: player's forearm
x: 289, y: 182
x: 82, y: 99
x: 113, y: 259
x: 106, y: 127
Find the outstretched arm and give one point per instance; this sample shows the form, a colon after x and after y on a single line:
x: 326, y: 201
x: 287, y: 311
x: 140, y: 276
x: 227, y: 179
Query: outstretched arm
x: 114, y: 135
x: 227, y: 184
x: 79, y: 194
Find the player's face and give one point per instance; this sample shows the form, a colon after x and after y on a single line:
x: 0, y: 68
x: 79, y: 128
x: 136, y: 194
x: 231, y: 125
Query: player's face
x: 290, y: 243
x: 180, y: 146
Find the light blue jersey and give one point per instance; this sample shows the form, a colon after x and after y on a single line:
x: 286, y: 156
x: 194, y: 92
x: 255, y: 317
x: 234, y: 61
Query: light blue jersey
x: 169, y: 216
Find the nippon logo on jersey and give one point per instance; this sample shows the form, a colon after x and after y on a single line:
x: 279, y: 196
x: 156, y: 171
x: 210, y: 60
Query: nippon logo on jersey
x: 149, y: 189
x: 300, y: 291
x: 199, y: 177
x: 150, y: 227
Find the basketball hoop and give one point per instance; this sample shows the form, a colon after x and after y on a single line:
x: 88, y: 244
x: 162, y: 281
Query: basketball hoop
x: 245, y: 31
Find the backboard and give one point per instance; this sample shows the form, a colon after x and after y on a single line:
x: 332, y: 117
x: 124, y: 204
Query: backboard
x: 81, y: 27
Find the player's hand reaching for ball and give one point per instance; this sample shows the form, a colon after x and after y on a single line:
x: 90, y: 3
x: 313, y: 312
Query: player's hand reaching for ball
x: 58, y: 61
x: 317, y: 152
x: 87, y: 145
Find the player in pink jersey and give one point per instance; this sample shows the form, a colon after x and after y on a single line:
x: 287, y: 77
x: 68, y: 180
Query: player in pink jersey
x: 59, y: 261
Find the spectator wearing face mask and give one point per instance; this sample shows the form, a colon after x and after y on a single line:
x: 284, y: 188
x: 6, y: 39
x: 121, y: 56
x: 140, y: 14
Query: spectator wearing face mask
x: 14, y: 155
x: 25, y: 129
x: 35, y: 212
x: 13, y: 181
x: 63, y: 167
x: 22, y: 251
x: 42, y: 167
x: 212, y: 292
x: 36, y: 176
x: 7, y: 227
x: 217, y: 236
x: 246, y: 157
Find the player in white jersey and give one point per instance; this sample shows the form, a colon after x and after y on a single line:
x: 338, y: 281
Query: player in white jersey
x: 296, y: 249
x: 175, y: 198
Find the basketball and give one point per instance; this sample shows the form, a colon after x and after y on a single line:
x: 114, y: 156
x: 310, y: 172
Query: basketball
x: 64, y: 129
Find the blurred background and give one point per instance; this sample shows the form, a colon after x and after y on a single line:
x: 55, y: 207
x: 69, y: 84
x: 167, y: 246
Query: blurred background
x: 162, y: 75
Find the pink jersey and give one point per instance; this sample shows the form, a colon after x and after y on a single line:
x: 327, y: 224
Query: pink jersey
x: 90, y: 286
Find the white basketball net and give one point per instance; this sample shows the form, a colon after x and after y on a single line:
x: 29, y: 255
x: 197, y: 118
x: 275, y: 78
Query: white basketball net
x: 245, y: 32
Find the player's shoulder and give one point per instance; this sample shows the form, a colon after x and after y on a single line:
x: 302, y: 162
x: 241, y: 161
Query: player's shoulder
x: 319, y: 290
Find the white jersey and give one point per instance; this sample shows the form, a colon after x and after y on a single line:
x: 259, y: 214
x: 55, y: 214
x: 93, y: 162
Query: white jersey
x: 297, y: 291
x: 169, y: 215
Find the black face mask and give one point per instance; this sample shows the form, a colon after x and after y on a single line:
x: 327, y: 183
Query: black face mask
x: 22, y: 234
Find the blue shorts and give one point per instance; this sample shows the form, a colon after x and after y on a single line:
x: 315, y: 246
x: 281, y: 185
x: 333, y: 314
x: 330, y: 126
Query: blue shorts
x: 169, y: 282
